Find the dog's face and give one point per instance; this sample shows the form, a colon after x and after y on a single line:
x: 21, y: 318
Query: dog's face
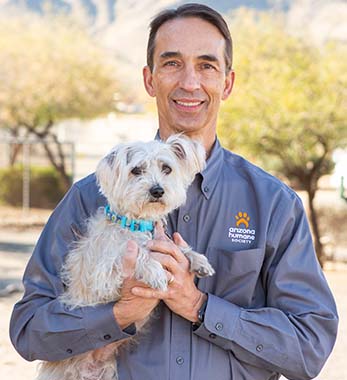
x: 148, y: 180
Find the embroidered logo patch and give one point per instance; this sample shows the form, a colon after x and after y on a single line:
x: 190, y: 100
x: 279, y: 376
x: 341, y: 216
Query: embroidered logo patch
x: 242, y: 218
x: 241, y: 233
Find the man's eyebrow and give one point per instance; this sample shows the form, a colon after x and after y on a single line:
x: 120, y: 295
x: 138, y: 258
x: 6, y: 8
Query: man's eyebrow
x: 177, y: 54
x: 170, y: 54
x: 208, y: 57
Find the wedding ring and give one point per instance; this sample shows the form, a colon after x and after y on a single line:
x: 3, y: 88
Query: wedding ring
x: 172, y: 279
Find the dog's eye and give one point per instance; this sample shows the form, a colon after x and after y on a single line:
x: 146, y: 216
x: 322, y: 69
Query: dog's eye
x: 136, y: 171
x: 166, y: 169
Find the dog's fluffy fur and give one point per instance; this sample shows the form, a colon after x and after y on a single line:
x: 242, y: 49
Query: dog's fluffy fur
x: 93, y: 272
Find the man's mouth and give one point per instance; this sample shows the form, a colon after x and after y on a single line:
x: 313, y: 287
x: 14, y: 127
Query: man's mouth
x: 186, y: 105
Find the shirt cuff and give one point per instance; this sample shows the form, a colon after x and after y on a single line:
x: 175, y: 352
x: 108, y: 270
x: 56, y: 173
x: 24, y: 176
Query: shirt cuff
x: 102, y: 327
x: 220, y: 321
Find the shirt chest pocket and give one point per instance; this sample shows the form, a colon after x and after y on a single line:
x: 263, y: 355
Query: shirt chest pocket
x: 237, y: 274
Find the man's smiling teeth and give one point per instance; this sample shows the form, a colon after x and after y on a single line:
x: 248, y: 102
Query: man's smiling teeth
x: 187, y: 104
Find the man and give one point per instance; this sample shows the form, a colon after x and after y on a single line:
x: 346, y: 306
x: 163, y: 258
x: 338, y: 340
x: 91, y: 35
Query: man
x: 267, y: 311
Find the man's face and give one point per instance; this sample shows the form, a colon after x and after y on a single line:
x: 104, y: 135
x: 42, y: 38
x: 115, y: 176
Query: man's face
x: 188, y: 77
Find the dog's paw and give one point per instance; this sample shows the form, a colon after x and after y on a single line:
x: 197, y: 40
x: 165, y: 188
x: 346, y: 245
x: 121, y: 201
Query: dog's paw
x: 204, y: 271
x: 200, y: 265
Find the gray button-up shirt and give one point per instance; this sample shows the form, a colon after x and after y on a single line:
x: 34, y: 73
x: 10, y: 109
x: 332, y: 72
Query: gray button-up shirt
x: 269, y: 309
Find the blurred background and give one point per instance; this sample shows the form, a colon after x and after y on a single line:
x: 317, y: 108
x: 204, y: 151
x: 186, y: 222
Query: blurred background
x: 71, y: 88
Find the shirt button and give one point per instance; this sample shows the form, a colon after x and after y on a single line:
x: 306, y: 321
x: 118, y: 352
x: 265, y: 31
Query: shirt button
x: 219, y: 326
x: 179, y: 360
x: 212, y: 336
x: 186, y: 218
x: 107, y: 337
x: 206, y: 189
x: 69, y: 351
x: 259, y: 347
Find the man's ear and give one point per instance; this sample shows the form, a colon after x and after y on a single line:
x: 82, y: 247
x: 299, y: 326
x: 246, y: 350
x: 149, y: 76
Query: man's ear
x: 228, y: 84
x: 148, y: 81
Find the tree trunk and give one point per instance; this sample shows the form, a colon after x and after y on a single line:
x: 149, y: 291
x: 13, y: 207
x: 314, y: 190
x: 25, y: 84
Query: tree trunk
x: 14, y: 151
x: 56, y: 159
x: 14, y: 148
x: 315, y: 227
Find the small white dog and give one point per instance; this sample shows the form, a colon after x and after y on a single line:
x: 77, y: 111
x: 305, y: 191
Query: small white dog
x: 142, y: 183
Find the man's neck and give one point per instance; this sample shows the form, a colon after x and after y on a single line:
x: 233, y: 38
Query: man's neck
x: 206, y: 140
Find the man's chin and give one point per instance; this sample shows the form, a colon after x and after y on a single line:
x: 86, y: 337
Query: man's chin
x: 188, y: 125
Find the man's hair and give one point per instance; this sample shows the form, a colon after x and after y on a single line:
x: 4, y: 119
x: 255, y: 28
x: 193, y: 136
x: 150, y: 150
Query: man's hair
x: 190, y: 10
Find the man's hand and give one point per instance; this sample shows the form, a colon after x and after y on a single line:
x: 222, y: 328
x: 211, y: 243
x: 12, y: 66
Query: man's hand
x: 132, y: 308
x: 182, y: 296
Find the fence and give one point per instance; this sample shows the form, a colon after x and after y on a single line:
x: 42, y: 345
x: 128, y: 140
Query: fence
x: 31, y: 152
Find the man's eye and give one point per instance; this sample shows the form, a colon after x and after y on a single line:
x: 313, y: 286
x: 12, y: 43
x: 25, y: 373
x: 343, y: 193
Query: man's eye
x: 166, y: 169
x: 171, y: 63
x: 136, y: 171
x: 207, y: 66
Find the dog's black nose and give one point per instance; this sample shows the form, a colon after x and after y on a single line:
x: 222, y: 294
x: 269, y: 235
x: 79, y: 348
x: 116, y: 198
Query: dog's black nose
x: 157, y: 191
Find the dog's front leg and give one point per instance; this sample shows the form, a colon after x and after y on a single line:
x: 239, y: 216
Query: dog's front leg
x: 199, y: 263
x: 150, y: 271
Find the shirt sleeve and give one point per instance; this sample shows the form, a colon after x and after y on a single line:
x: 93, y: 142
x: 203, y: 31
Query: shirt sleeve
x: 296, y: 330
x: 43, y: 328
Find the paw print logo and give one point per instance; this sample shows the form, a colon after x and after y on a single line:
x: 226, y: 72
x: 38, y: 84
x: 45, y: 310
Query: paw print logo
x: 242, y: 218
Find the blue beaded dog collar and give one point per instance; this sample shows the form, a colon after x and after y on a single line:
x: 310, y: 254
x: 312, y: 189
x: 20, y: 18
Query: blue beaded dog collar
x: 141, y: 225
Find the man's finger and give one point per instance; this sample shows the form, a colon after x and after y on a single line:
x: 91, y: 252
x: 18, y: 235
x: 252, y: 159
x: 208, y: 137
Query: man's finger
x: 148, y: 293
x: 178, y: 240
x: 168, y: 248
x: 159, y: 232
x: 168, y: 262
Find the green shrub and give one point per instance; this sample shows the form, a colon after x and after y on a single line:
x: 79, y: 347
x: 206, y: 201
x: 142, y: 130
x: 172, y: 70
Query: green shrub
x: 46, y: 187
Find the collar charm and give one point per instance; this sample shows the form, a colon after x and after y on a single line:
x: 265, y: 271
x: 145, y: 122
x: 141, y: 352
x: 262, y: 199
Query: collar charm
x: 141, y: 225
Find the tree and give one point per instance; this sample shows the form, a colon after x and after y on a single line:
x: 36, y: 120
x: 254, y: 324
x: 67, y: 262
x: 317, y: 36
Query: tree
x: 51, y: 70
x: 287, y: 112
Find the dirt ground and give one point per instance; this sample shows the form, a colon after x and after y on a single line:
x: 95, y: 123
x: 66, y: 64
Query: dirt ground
x: 16, y: 243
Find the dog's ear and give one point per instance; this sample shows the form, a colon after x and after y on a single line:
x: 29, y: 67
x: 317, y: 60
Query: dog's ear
x: 190, y: 153
x: 108, y: 169
x: 104, y: 173
x: 110, y: 158
x: 177, y: 147
x: 129, y: 151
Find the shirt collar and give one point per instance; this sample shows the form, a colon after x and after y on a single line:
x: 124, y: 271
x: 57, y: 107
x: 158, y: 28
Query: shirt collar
x: 212, y: 170
x: 211, y: 173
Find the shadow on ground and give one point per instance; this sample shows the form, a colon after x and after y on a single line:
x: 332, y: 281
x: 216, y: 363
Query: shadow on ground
x: 9, y: 286
x: 11, y: 264
x: 16, y: 247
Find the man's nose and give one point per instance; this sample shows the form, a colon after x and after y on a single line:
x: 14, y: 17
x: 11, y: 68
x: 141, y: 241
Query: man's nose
x: 189, y: 80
